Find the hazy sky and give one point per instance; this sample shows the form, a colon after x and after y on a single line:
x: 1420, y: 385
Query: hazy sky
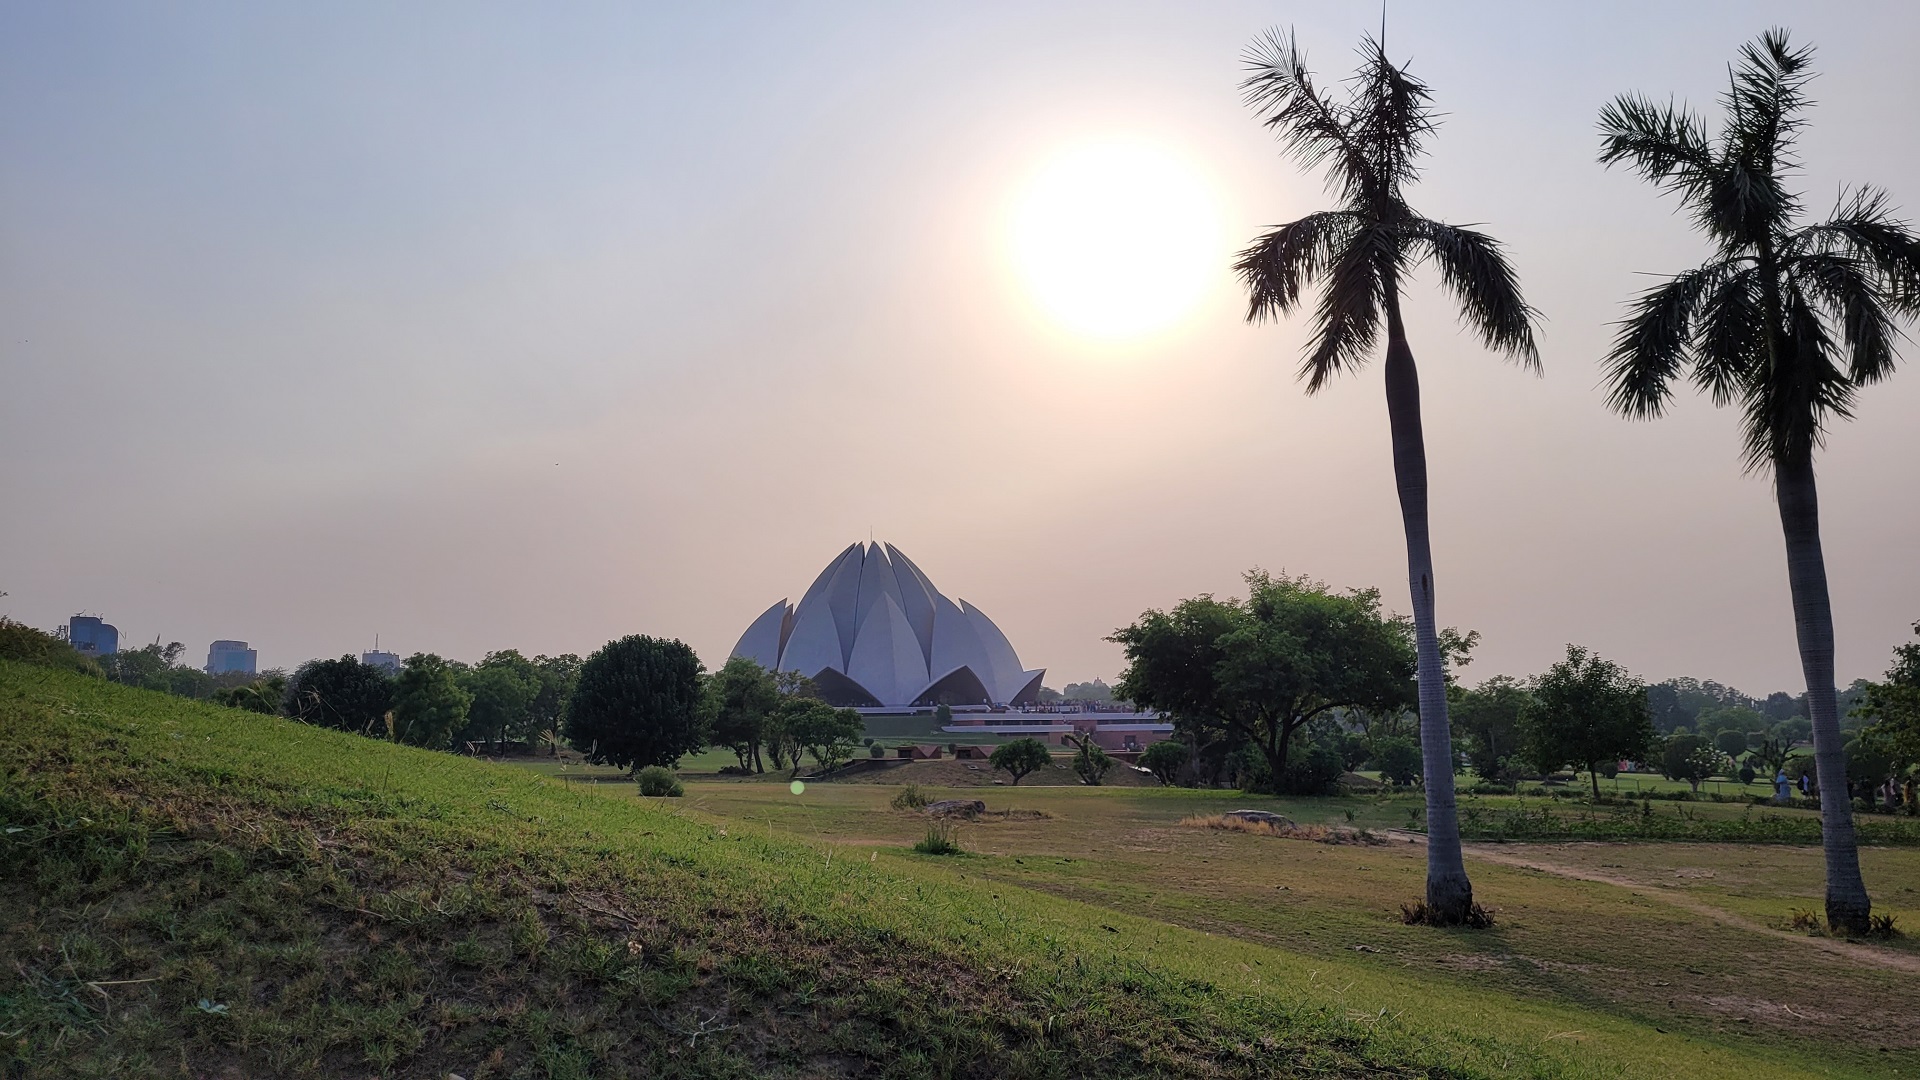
x: 535, y: 325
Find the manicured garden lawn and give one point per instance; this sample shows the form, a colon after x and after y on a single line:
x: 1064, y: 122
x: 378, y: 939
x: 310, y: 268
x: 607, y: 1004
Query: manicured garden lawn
x: 199, y: 891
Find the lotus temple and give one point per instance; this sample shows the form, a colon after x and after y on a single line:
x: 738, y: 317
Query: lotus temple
x: 873, y: 633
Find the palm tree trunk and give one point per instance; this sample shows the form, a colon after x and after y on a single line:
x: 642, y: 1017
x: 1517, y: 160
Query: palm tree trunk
x: 1847, y: 902
x: 1449, y: 893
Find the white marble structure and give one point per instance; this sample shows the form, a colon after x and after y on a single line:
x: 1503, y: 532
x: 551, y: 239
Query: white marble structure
x: 872, y: 632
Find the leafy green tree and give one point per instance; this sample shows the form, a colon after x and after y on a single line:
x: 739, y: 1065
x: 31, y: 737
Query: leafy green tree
x: 1490, y: 720
x: 503, y: 687
x: 1022, y: 756
x: 1689, y: 758
x: 827, y: 734
x: 1097, y: 690
x: 1090, y: 762
x: 1892, y: 706
x: 344, y: 694
x: 1397, y: 759
x: 1262, y: 668
x: 1731, y: 743
x: 1165, y: 760
x: 1587, y: 711
x: 739, y: 700
x: 637, y: 704
x: 1787, y: 320
x: 1361, y: 253
x: 428, y: 703
x: 558, y: 675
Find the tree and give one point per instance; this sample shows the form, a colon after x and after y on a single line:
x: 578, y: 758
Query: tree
x: 1770, y: 757
x: 1892, y: 706
x: 738, y: 701
x: 1587, y: 710
x: 1022, y: 756
x: 1787, y: 320
x: 503, y: 686
x: 1090, y: 762
x: 826, y: 733
x: 1490, y: 720
x: 1397, y: 759
x: 428, y: 703
x: 1262, y: 668
x: 344, y: 694
x: 637, y: 704
x: 558, y: 675
x: 1097, y: 691
x: 1689, y: 758
x: 1731, y: 743
x: 1360, y: 253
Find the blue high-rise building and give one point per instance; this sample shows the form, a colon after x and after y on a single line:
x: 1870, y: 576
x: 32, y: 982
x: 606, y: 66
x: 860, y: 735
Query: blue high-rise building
x: 226, y: 656
x: 91, y: 637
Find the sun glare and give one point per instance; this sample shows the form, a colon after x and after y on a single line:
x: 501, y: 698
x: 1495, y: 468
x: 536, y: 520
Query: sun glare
x: 1115, y: 241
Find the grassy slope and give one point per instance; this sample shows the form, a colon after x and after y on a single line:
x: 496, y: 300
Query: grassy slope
x: 347, y: 907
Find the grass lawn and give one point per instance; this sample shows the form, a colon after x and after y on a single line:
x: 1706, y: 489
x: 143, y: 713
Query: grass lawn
x: 196, y: 891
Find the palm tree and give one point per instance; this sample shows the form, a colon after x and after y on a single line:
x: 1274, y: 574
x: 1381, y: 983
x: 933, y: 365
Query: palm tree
x: 1786, y: 320
x: 1360, y: 253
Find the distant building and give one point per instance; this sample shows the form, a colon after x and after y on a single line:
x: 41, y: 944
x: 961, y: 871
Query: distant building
x: 226, y: 656
x: 91, y: 637
x: 385, y: 661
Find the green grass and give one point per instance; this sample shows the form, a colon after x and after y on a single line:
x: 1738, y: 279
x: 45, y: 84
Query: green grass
x: 197, y: 891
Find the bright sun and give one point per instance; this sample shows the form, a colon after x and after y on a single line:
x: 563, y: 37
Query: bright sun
x: 1117, y: 240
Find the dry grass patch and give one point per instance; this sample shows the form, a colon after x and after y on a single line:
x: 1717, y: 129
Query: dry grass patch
x: 1319, y: 834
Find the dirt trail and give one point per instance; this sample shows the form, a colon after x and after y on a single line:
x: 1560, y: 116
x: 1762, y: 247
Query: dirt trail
x: 1852, y: 950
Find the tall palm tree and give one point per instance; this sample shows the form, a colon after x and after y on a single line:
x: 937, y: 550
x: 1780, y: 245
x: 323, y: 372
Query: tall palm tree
x: 1359, y: 254
x: 1788, y: 321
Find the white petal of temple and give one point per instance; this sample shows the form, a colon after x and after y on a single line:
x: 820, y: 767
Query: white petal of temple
x: 873, y: 633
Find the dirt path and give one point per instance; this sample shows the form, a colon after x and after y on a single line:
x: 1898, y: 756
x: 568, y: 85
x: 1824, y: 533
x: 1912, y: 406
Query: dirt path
x: 1851, y: 950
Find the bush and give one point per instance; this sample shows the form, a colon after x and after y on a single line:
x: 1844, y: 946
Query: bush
x: 1165, y: 759
x: 875, y: 750
x: 910, y: 798
x: 1398, y: 760
x: 940, y: 840
x: 659, y: 782
x: 1312, y: 769
x: 18, y: 641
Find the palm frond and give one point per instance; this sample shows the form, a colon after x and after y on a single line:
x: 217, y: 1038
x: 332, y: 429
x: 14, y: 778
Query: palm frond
x: 1865, y: 225
x: 1730, y: 333
x: 1789, y: 405
x: 1766, y: 98
x: 1280, y: 90
x: 1348, y: 315
x: 1392, y: 114
x: 1849, y: 289
x: 1476, y: 271
x: 1651, y: 346
x: 1282, y: 262
x: 1664, y: 143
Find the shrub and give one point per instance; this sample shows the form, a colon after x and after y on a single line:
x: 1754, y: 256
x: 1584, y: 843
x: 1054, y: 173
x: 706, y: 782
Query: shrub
x: 18, y: 641
x: 940, y: 840
x: 657, y: 781
x: 1165, y: 759
x: 1398, y: 760
x: 875, y: 750
x: 910, y: 798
